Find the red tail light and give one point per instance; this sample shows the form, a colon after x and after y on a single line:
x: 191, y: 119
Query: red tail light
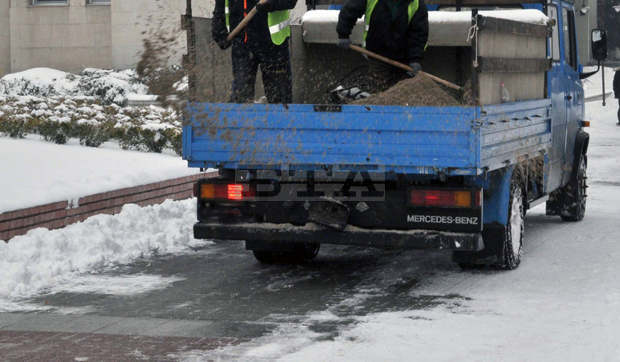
x: 445, y: 198
x: 233, y: 192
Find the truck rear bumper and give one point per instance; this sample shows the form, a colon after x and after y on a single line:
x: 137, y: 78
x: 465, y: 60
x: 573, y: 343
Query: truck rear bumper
x: 351, y: 235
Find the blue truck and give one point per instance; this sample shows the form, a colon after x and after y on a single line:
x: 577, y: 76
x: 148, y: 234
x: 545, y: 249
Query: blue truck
x: 459, y: 178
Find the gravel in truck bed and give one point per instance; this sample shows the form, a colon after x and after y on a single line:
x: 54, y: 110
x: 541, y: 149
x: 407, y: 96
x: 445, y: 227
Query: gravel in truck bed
x: 417, y: 91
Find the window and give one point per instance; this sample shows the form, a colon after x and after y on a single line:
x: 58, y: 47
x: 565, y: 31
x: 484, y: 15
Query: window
x: 50, y: 2
x: 99, y: 2
x: 554, y: 47
x: 568, y: 26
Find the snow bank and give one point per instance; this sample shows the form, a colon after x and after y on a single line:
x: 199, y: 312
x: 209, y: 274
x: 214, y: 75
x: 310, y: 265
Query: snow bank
x: 51, y: 261
x: 36, y: 172
x: 106, y: 85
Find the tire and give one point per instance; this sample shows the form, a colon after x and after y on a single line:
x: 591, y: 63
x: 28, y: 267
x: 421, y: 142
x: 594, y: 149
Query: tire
x: 575, y: 194
x: 503, y: 243
x: 300, y: 253
x: 512, y: 243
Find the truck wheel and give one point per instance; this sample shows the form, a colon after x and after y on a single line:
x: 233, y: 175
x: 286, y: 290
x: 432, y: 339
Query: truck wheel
x: 299, y: 254
x: 503, y: 244
x: 513, y: 235
x: 575, y: 194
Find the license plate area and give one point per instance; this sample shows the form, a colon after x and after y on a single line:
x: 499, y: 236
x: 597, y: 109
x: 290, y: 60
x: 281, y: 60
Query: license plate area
x: 445, y: 219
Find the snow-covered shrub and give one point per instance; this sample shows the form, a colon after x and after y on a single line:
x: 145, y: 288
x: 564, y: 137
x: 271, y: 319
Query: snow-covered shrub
x: 57, y: 132
x: 131, y: 139
x: 108, y: 86
x: 153, y: 140
x: 40, y: 82
x: 175, y: 139
x: 92, y: 135
x: 56, y: 119
x: 13, y: 128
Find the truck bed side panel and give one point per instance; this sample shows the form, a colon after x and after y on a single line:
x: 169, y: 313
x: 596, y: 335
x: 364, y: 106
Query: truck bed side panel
x: 415, y: 140
x: 514, y: 131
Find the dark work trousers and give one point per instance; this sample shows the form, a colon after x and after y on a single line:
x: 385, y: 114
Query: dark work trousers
x: 383, y: 76
x: 277, y: 79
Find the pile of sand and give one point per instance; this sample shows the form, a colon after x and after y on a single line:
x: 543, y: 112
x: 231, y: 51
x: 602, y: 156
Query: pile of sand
x: 417, y: 91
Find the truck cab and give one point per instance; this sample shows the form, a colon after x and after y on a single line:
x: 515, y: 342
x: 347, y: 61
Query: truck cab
x: 458, y: 178
x: 565, y: 88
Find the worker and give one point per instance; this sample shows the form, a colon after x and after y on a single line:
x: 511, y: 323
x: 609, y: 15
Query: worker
x: 617, y: 90
x: 396, y: 29
x: 263, y: 43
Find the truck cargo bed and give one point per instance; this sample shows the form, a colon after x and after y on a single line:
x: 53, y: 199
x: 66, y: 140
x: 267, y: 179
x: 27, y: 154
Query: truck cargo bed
x: 408, y: 140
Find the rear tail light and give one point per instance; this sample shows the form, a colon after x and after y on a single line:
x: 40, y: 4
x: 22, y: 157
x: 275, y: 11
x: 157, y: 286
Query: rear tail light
x: 233, y: 192
x: 445, y: 198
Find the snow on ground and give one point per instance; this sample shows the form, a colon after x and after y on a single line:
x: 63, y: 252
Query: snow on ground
x: 593, y: 86
x: 45, y: 261
x: 113, y: 284
x: 36, y: 172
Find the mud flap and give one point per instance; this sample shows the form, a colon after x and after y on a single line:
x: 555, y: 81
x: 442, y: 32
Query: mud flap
x: 493, y: 236
x: 329, y: 212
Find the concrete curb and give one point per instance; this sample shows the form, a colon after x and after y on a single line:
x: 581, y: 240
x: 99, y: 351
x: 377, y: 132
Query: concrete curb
x: 60, y: 214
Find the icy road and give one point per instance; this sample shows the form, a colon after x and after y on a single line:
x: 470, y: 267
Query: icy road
x: 79, y: 292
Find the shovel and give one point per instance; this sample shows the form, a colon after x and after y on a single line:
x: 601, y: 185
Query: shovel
x: 404, y: 67
x: 243, y: 23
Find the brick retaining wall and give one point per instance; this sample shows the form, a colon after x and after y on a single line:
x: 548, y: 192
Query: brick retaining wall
x: 60, y: 214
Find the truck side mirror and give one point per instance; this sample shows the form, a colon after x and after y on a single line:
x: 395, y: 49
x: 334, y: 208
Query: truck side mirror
x: 599, y: 44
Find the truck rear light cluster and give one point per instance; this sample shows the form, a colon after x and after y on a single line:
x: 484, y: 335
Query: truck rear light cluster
x: 232, y: 192
x: 445, y: 198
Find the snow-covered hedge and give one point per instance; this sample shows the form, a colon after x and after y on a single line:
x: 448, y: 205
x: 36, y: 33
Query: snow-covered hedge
x: 91, y: 106
x: 108, y: 86
x: 56, y: 119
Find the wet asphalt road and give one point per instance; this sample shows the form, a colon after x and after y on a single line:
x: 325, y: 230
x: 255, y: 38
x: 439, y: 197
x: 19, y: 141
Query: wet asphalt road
x: 241, y: 298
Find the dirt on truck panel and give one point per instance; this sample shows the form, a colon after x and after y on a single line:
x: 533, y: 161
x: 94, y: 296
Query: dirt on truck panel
x: 417, y: 91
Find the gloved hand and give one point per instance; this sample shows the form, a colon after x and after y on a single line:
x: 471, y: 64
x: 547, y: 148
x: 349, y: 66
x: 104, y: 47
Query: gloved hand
x: 416, y: 68
x: 264, y: 6
x: 224, y: 44
x: 344, y: 43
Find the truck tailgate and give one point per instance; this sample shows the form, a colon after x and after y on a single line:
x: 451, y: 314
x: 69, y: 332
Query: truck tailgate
x: 414, y: 140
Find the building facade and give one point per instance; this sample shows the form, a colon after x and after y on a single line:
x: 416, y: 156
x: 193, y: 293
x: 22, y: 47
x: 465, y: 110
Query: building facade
x: 71, y: 35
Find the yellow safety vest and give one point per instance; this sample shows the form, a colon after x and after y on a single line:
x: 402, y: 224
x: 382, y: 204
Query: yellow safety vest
x: 279, y: 23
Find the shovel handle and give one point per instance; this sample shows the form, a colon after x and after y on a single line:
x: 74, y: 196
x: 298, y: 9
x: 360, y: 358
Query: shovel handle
x: 244, y: 22
x: 241, y: 25
x: 402, y: 66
